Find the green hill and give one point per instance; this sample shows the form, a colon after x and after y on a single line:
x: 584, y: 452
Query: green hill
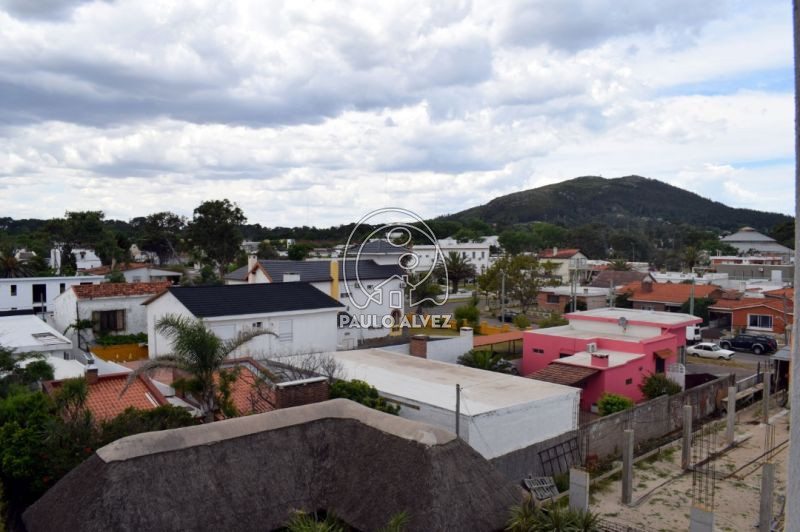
x: 624, y: 201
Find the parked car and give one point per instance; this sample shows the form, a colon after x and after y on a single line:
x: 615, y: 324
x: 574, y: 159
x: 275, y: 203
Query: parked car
x: 709, y: 350
x: 508, y: 317
x: 758, y: 344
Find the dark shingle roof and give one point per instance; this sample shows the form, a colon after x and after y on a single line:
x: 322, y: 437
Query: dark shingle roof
x: 378, y: 246
x: 234, y: 300
x: 319, y: 270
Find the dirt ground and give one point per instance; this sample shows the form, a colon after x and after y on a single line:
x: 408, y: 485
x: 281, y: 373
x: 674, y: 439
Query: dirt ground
x: 662, y: 494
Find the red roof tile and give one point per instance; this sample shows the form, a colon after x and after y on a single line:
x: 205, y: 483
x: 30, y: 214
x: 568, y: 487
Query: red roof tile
x: 123, y: 266
x: 565, y: 374
x: 752, y: 302
x: 783, y: 292
x: 250, y: 394
x: 491, y: 339
x: 559, y: 254
x: 669, y: 292
x: 93, y: 291
x: 105, y: 402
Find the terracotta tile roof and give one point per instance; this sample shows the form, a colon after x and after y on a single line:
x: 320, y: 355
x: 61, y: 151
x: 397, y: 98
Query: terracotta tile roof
x: 490, y: 339
x: 617, y: 278
x: 250, y: 394
x: 93, y: 291
x: 752, y: 302
x: 783, y: 292
x: 104, y: 400
x: 566, y: 374
x: 669, y: 292
x: 559, y: 253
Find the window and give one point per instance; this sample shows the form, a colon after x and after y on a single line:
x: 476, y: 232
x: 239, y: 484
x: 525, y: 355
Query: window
x: 648, y: 307
x: 137, y: 278
x: 759, y: 321
x: 61, y: 288
x: 538, y: 350
x: 552, y: 298
x: 108, y: 321
x: 628, y: 381
x: 473, y: 254
x: 13, y: 290
x: 285, y: 330
x: 258, y: 325
x: 483, y: 254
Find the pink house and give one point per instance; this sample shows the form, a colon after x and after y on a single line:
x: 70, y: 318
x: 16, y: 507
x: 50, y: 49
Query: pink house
x: 606, y: 350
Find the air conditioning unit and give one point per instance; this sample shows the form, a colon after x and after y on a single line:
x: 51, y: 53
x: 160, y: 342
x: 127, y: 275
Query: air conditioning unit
x: 591, y: 347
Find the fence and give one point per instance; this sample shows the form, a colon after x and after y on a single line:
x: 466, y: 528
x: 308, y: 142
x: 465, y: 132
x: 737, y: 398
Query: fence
x: 602, y: 438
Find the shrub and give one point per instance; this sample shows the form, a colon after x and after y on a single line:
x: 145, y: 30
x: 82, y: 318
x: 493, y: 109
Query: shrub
x: 122, y: 339
x: 555, y: 320
x: 658, y: 384
x: 470, y: 313
x: 522, y: 321
x: 527, y: 517
x: 611, y: 402
x: 362, y: 392
x: 484, y: 359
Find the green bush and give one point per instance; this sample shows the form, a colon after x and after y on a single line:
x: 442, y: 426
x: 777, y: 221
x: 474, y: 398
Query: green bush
x: 470, y: 313
x: 362, y: 392
x: 658, y: 384
x: 122, y: 339
x: 528, y: 517
x: 522, y: 321
x: 555, y: 320
x: 610, y: 403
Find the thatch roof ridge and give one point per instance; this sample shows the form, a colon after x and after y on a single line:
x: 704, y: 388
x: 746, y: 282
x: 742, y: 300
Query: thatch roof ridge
x: 182, y: 438
x: 362, y: 464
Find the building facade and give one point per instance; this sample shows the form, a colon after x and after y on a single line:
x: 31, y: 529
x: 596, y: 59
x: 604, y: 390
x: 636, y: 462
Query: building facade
x: 37, y: 294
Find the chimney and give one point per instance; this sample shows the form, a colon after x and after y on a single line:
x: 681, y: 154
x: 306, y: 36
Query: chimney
x: 599, y: 360
x: 91, y: 374
x: 555, y: 251
x: 291, y: 277
x: 419, y: 346
x: 252, y: 262
x: 647, y: 287
x: 466, y: 332
x: 335, y: 279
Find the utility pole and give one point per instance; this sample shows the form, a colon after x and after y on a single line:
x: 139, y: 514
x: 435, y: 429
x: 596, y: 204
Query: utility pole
x: 502, y: 296
x: 691, y: 299
x: 793, y: 480
x: 458, y: 410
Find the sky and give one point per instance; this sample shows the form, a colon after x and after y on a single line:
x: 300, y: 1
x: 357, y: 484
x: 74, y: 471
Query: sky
x: 315, y: 113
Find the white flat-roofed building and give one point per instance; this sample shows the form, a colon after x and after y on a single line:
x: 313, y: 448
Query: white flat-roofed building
x: 499, y: 413
x: 37, y: 294
x: 29, y: 333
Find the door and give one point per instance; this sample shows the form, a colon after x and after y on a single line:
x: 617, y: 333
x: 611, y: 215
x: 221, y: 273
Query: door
x: 39, y: 298
x: 659, y: 365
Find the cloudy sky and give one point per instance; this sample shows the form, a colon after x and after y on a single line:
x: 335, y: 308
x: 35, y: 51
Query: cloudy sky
x: 312, y: 112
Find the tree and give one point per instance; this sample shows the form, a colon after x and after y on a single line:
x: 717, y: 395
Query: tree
x: 363, y: 393
x: 483, y: 359
x: 69, y: 264
x: 424, y: 292
x: 267, y: 252
x: 658, y: 384
x: 160, y: 233
x: 215, y: 232
x: 116, y: 276
x: 619, y: 265
x: 458, y: 268
x: 468, y: 313
x: 515, y: 242
x: 522, y: 321
x: 299, y: 251
x: 10, y: 267
x: 198, y: 352
x: 133, y: 421
x: 610, y: 403
x: 701, y: 305
x: 691, y: 256
x: 15, y: 376
x: 525, y: 277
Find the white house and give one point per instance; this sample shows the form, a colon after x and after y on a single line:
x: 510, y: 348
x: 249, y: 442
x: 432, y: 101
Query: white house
x: 114, y: 308
x: 85, y: 258
x: 499, y: 413
x: 29, y: 333
x: 303, y: 319
x: 37, y: 294
x: 368, y: 291
x: 476, y: 253
x: 139, y: 272
x: 565, y: 260
x: 748, y: 240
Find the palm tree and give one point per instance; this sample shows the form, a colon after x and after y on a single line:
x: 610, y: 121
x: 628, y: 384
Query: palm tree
x: 691, y: 256
x: 619, y: 265
x: 457, y: 268
x: 198, y: 352
x: 11, y: 267
x: 482, y: 359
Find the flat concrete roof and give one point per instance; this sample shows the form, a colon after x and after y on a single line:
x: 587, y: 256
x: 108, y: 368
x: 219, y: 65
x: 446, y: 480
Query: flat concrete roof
x: 29, y: 333
x: 643, y: 317
x: 568, y: 331
x: 434, y: 383
x: 62, y: 369
x: 615, y: 358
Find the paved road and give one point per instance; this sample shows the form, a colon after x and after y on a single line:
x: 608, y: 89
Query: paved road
x: 743, y: 364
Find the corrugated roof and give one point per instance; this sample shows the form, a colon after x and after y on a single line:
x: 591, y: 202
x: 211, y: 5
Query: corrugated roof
x: 565, y: 374
x: 490, y: 339
x: 320, y: 270
x: 378, y: 247
x: 265, y: 298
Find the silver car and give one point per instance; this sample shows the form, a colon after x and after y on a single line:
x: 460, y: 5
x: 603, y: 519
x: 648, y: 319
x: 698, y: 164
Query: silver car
x: 709, y: 350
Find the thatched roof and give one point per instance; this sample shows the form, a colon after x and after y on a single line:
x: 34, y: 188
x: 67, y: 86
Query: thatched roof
x: 249, y: 473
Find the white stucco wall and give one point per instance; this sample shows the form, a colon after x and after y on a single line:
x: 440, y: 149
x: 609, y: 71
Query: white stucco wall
x: 312, y: 331
x: 24, y: 289
x: 146, y: 275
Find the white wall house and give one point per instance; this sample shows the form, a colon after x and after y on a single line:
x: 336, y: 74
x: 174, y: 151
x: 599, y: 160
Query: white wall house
x: 115, y: 308
x: 499, y: 413
x: 303, y: 318
x: 84, y: 258
x: 377, y: 292
x: 137, y: 272
x: 28, y: 293
x: 476, y: 253
x: 565, y: 259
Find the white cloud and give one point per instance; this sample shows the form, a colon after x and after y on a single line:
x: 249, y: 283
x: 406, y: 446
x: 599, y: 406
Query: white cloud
x: 312, y: 113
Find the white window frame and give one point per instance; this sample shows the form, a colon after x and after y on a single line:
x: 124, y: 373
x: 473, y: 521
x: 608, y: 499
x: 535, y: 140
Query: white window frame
x: 285, y: 331
x: 759, y: 327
